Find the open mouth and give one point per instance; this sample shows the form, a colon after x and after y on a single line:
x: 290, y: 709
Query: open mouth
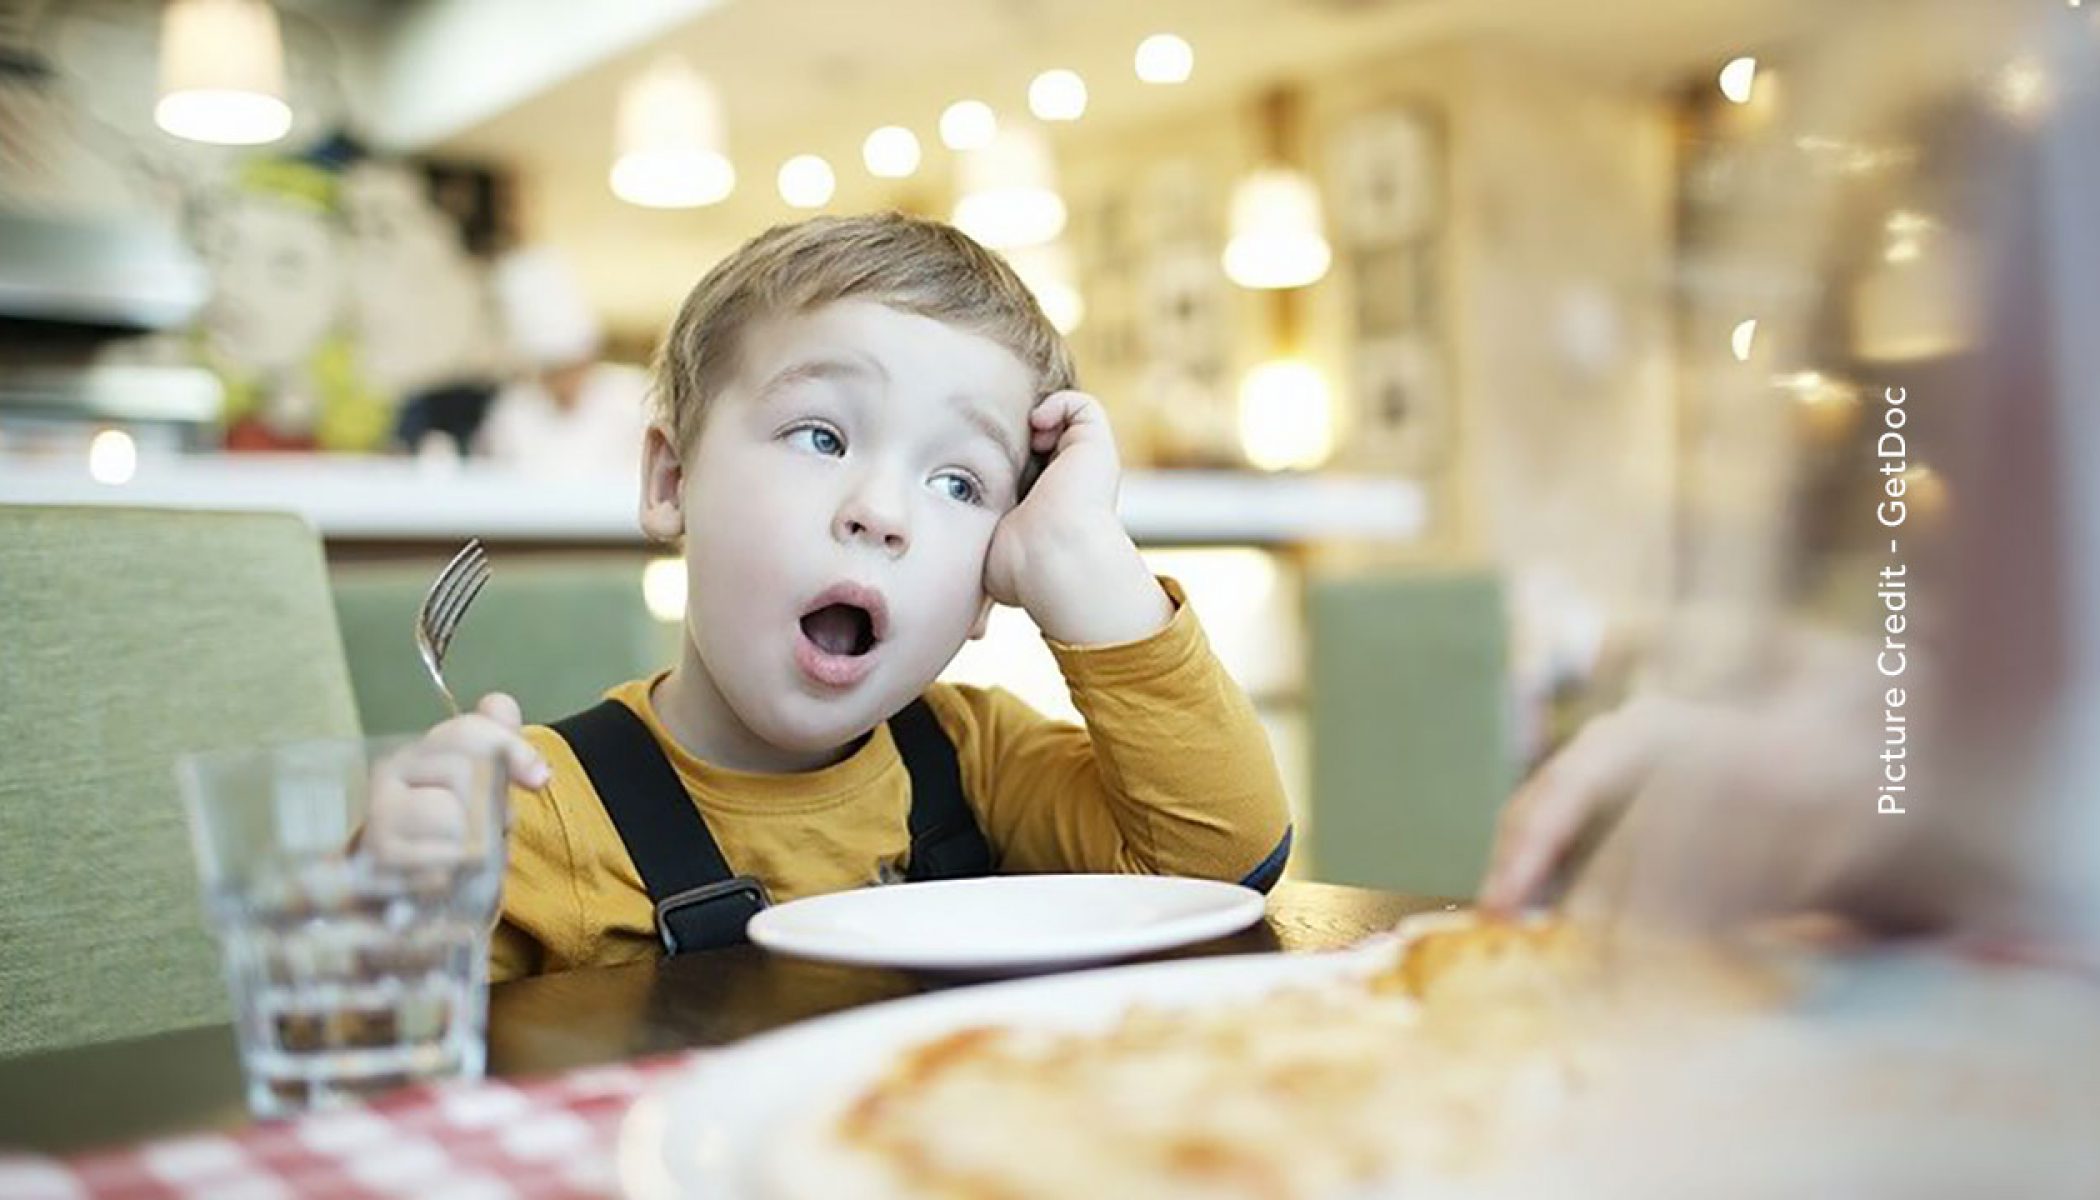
x: 847, y: 630
x: 845, y: 621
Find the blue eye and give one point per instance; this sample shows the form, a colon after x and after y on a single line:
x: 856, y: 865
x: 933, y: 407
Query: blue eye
x: 960, y: 488
x: 824, y: 441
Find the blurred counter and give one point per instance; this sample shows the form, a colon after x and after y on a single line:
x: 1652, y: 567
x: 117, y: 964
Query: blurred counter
x: 383, y: 500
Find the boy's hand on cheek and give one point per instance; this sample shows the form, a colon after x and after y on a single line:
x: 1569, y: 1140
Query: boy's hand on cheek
x: 1063, y: 553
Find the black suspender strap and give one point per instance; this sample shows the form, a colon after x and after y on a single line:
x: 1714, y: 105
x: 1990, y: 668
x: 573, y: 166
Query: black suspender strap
x: 699, y: 904
x: 945, y: 840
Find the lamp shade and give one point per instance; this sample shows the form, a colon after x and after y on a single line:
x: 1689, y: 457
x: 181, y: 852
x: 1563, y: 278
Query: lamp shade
x: 1276, y: 240
x: 1009, y: 191
x: 670, y: 140
x: 222, y: 73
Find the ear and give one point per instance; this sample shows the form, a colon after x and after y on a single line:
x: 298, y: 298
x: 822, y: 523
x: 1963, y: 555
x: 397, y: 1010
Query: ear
x: 983, y: 621
x: 663, y: 486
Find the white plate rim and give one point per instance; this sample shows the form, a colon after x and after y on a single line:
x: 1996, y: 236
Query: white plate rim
x: 1236, y: 908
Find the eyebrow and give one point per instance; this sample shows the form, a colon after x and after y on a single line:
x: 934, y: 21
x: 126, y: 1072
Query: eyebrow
x: 985, y: 424
x: 847, y: 365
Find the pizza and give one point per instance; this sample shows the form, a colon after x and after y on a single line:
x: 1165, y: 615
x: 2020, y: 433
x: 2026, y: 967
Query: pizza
x: 1495, y: 1061
x: 1423, y: 1067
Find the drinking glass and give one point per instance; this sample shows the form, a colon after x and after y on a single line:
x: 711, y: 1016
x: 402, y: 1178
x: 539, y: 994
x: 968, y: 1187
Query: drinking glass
x: 352, y: 972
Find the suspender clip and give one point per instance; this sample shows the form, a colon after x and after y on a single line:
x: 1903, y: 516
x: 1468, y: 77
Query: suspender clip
x: 713, y: 914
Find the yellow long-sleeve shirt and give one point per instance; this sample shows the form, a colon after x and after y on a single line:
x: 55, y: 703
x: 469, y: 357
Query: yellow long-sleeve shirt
x: 1172, y: 775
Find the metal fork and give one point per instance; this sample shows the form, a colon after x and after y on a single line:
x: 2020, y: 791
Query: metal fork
x: 443, y: 606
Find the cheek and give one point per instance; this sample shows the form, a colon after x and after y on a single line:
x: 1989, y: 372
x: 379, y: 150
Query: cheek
x: 741, y: 525
x: 953, y: 566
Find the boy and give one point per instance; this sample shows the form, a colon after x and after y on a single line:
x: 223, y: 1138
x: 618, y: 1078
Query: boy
x: 849, y: 417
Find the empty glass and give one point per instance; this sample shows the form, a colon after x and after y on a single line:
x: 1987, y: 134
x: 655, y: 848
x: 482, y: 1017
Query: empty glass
x: 350, y: 974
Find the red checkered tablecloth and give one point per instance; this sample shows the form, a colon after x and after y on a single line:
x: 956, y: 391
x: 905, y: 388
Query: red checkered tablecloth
x: 546, y: 1139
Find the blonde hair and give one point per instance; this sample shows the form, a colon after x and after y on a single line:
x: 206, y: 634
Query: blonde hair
x: 909, y: 263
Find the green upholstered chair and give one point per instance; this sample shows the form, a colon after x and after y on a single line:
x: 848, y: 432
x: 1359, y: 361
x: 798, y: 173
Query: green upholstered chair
x: 126, y: 638
x: 555, y: 633
x: 1409, y: 718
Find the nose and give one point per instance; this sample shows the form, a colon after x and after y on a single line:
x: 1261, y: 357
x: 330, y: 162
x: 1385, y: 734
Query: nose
x: 874, y: 514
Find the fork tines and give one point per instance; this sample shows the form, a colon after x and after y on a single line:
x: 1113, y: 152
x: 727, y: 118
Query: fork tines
x: 455, y: 589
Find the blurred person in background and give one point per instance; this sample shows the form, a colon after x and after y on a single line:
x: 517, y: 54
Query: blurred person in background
x: 571, y: 414
x: 1931, y: 776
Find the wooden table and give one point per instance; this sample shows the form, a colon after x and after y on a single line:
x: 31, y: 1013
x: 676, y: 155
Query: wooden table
x: 190, y: 1079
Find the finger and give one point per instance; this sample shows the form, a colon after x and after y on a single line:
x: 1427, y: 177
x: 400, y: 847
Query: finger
x: 413, y: 825
x: 421, y: 812
x: 466, y: 770
x: 1046, y: 421
x: 1598, y: 767
x: 1053, y: 410
x: 476, y: 734
x: 1065, y: 419
x: 1503, y: 889
x: 502, y: 709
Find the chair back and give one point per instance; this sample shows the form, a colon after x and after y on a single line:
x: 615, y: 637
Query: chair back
x: 128, y: 637
x: 554, y: 633
x: 1409, y: 717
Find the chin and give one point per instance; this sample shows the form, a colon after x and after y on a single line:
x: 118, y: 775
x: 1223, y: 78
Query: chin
x: 810, y: 725
x: 806, y: 735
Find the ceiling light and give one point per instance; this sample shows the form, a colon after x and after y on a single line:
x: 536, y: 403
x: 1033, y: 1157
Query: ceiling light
x: 1286, y: 416
x: 1058, y: 95
x: 891, y: 152
x: 670, y: 141
x: 1738, y: 78
x: 672, y: 180
x: 222, y: 73
x: 1009, y: 191
x: 806, y: 181
x: 1164, y: 58
x: 1276, y: 236
x: 968, y: 125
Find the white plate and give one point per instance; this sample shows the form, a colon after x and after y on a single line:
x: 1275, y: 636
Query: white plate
x: 1006, y: 923
x: 708, y: 1132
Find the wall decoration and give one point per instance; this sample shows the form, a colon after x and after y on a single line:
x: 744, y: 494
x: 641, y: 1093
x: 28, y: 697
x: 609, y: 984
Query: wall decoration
x: 344, y: 286
x: 1177, y: 204
x: 1403, y: 404
x: 1396, y: 288
x: 1107, y: 341
x: 1388, y: 178
x: 1165, y: 336
x: 1387, y: 173
x: 1183, y: 323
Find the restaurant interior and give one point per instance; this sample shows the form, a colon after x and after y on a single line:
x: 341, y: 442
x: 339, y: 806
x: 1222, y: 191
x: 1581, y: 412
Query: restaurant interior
x: 1478, y: 370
